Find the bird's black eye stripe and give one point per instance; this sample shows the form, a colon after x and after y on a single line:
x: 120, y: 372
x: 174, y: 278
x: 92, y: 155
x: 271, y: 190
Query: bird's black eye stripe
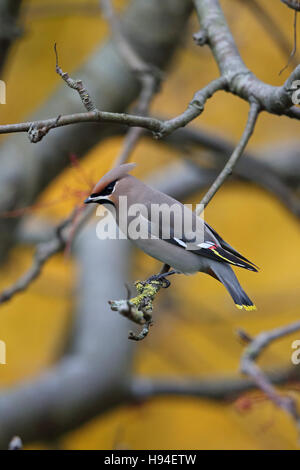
x: 110, y: 187
x: 106, y: 191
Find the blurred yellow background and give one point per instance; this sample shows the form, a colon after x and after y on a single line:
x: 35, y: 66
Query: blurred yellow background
x: 195, y: 335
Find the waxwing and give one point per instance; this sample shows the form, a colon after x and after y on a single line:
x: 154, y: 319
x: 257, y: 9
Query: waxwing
x: 200, y: 249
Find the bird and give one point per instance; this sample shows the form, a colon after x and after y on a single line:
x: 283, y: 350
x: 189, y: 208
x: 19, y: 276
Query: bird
x: 210, y: 254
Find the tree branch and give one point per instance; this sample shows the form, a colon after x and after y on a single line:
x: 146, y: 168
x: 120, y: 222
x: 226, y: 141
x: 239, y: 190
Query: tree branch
x: 241, y: 81
x: 158, y: 127
x: 272, y: 173
x: 44, y: 251
x: 249, y: 367
x: 236, y: 155
x: 214, y: 388
x: 274, y: 29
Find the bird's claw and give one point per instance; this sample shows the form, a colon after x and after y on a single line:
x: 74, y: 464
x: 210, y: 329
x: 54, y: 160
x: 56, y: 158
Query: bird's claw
x: 160, y: 278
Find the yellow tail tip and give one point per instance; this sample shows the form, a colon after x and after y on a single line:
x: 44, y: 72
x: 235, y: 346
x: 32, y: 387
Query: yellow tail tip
x: 246, y: 307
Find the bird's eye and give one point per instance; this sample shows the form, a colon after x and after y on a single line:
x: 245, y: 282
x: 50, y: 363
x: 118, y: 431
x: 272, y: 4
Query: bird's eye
x: 111, y: 186
x: 106, y: 191
x: 109, y: 189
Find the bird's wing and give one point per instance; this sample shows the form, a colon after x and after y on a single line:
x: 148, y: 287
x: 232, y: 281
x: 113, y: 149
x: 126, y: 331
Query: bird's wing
x: 228, y: 247
x: 209, y: 247
x: 213, y: 251
x: 205, y: 242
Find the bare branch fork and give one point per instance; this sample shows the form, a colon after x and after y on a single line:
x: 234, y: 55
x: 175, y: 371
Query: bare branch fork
x: 275, y: 100
x: 249, y: 367
x: 240, y: 80
x: 235, y: 78
x: 158, y: 127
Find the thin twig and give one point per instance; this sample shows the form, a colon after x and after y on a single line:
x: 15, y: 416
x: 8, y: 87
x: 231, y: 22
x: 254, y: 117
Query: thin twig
x: 64, y: 232
x: 158, y: 127
x: 274, y: 29
x: 236, y: 155
x: 44, y: 251
x: 292, y: 55
x: 75, y: 85
x: 251, y: 168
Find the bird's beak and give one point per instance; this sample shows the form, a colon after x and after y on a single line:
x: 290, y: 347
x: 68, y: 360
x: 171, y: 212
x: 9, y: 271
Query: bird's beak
x: 89, y: 200
x: 99, y: 200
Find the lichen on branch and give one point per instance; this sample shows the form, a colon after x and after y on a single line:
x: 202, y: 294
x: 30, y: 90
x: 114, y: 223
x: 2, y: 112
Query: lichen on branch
x: 139, y: 309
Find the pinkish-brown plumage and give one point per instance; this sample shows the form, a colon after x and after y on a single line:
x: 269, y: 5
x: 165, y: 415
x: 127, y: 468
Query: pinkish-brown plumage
x: 115, y: 174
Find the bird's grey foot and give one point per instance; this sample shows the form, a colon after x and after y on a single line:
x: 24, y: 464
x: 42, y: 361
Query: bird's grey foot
x: 162, y: 277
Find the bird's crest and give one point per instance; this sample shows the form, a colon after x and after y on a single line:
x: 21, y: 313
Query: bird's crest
x: 113, y: 175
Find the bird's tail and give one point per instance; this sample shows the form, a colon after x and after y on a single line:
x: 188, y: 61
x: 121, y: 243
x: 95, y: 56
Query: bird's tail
x: 225, y: 274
